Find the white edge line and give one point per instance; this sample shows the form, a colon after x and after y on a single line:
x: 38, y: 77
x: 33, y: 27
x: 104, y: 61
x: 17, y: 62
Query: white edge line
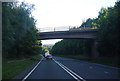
x: 31, y: 71
x: 71, y: 71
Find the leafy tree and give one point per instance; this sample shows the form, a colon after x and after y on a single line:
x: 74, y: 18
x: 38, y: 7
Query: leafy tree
x: 46, y: 48
x: 108, y: 34
x: 89, y: 23
x: 71, y: 47
x: 19, y: 31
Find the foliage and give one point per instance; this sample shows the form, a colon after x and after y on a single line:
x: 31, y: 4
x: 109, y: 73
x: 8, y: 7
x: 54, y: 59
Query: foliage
x: 71, y: 47
x: 46, y: 48
x: 108, y: 35
x: 19, y: 31
x: 15, y: 66
x: 88, y: 23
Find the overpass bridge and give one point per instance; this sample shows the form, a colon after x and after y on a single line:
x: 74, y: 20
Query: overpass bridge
x: 73, y: 34
x: 70, y: 34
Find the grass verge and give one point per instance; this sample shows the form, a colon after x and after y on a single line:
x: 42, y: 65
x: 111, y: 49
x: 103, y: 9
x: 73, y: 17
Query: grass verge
x: 110, y: 61
x: 13, y: 67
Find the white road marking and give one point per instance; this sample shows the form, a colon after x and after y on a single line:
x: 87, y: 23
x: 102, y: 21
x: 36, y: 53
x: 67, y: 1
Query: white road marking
x: 106, y: 72
x: 73, y: 74
x: 90, y: 67
x: 31, y: 71
x: 67, y: 71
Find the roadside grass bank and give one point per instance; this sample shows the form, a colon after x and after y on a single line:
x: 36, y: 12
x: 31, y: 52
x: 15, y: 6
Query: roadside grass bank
x: 12, y: 67
x: 110, y: 61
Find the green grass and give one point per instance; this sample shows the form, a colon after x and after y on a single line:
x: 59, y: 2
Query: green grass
x: 110, y: 61
x: 12, y: 67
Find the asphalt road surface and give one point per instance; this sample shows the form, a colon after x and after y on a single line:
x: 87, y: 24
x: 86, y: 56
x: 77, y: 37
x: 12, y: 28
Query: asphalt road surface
x: 69, y: 69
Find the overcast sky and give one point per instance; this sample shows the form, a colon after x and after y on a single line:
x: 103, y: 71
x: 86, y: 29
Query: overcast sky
x: 57, y: 13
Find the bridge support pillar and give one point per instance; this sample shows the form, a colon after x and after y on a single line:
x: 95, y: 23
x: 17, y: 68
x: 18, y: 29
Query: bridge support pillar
x: 94, y: 52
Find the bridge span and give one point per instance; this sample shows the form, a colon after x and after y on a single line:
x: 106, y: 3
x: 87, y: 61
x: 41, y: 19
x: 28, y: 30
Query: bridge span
x: 73, y: 34
x: 70, y: 34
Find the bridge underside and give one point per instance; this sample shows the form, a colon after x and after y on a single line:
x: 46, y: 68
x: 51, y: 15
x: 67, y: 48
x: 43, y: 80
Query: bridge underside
x: 89, y: 34
x: 81, y: 34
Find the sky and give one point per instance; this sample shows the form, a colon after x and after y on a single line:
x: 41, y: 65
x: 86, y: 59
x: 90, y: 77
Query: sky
x: 52, y: 14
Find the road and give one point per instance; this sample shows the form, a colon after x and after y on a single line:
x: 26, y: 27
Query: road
x: 70, y: 69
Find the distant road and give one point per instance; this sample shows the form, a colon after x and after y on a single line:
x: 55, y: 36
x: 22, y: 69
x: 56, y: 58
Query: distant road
x: 69, y: 69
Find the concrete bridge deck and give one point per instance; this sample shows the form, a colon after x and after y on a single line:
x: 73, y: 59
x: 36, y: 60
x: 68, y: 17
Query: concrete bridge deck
x: 81, y: 34
x: 85, y: 33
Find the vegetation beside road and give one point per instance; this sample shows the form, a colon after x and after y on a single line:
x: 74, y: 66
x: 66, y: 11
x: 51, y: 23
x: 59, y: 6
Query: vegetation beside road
x: 111, y: 61
x: 107, y: 39
x: 19, y: 31
x: 20, y: 47
x: 12, y: 67
x: 46, y: 48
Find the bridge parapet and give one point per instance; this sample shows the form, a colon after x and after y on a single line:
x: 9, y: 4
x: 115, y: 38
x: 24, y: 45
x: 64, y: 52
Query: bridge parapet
x: 86, y: 33
x: 62, y: 28
x: 71, y: 34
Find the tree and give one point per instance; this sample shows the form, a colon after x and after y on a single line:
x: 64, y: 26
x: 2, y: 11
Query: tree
x: 88, y: 23
x: 72, y: 47
x: 19, y: 31
x: 108, y: 34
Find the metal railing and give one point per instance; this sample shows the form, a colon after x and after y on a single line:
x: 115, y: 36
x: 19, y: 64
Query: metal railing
x: 63, y: 28
x: 52, y: 29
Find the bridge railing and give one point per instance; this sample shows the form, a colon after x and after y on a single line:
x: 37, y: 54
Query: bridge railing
x: 62, y: 28
x: 51, y: 29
